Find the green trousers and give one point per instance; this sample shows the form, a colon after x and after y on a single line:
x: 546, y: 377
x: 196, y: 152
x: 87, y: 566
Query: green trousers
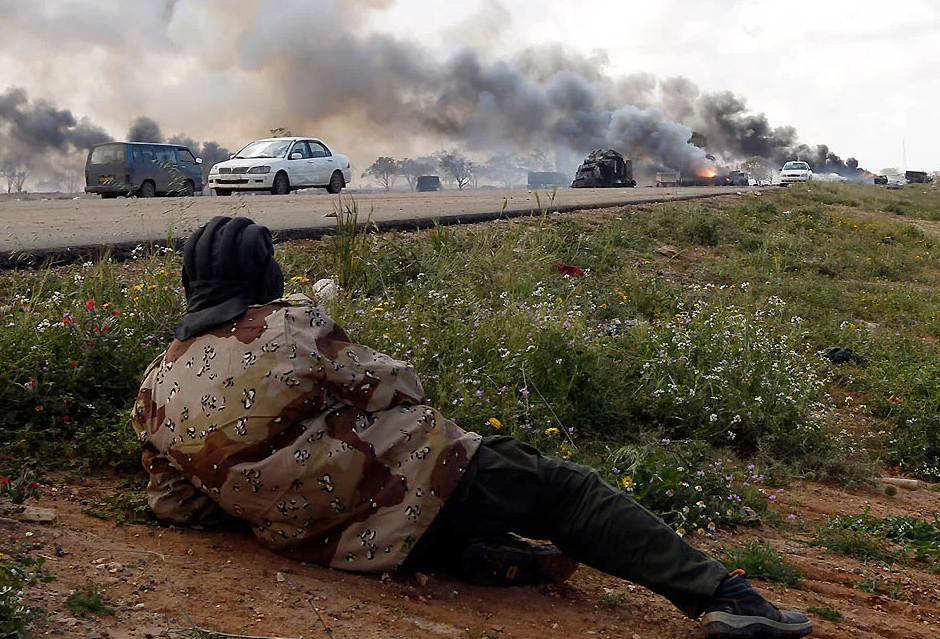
x: 510, y: 487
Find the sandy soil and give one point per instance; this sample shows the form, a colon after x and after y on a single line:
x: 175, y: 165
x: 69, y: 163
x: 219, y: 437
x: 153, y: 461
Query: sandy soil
x: 163, y: 580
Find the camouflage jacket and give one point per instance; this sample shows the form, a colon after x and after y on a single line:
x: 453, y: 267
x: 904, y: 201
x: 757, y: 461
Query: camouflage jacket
x: 323, y: 446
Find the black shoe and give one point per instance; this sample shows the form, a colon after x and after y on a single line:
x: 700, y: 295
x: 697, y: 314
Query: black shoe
x: 738, y: 610
x: 511, y: 560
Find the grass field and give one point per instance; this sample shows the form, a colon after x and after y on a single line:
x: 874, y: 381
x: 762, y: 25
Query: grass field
x: 683, y: 360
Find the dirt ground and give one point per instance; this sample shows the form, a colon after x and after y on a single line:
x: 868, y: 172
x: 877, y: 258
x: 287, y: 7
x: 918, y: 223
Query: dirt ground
x: 163, y: 582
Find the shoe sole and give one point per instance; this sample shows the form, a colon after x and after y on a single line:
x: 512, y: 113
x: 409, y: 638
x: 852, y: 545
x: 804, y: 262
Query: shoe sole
x: 499, y: 566
x: 722, y: 625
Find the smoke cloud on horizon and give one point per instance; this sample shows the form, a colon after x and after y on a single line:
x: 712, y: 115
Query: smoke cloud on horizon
x: 375, y: 94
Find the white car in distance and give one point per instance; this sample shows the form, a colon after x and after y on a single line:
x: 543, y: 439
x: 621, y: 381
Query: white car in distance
x: 795, y: 172
x: 281, y: 165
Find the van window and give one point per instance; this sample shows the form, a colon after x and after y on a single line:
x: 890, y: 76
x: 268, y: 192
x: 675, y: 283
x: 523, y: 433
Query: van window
x: 137, y: 155
x: 147, y: 152
x: 107, y: 154
x: 186, y: 156
x: 165, y: 154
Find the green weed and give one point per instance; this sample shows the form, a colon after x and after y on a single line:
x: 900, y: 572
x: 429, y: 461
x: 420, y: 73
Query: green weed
x: 825, y: 612
x: 761, y: 561
x: 17, y: 573
x: 88, y: 598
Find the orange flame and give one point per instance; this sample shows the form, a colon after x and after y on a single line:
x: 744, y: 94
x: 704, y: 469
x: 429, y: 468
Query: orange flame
x: 708, y: 173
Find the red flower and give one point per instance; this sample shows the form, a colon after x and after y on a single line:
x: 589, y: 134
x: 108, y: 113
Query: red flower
x: 65, y: 418
x: 115, y: 312
x: 34, y: 486
x: 90, y: 303
x: 4, y: 481
x: 565, y: 269
x: 73, y: 364
x: 105, y: 328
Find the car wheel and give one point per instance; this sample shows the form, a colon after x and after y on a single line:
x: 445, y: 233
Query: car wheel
x: 222, y: 192
x: 188, y: 190
x: 336, y: 183
x: 281, y: 184
x: 146, y: 189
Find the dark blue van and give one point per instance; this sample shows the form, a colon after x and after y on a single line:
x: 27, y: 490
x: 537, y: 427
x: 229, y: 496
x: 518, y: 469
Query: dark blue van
x: 142, y: 169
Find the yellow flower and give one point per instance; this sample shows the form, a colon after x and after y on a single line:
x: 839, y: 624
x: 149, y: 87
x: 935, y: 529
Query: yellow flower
x: 627, y: 482
x: 681, y: 532
x: 299, y: 279
x: 162, y: 271
x: 137, y: 287
x: 495, y: 423
x: 604, y: 304
x: 551, y: 431
x: 106, y: 305
x: 152, y: 287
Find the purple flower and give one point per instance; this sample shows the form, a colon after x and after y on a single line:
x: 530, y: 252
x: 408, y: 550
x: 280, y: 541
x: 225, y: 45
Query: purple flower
x: 666, y: 440
x: 615, y: 470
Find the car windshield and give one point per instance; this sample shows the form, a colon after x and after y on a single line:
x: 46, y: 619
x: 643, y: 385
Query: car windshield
x: 795, y: 166
x: 264, y: 149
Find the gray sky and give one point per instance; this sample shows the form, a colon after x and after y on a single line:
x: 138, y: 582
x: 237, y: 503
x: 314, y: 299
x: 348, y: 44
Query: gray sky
x: 394, y: 77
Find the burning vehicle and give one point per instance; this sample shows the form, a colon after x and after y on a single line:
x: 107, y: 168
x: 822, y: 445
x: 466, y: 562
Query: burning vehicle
x: 604, y: 169
x: 666, y: 178
x: 917, y: 177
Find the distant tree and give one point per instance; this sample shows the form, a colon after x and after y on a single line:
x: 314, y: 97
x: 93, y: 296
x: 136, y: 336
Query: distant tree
x: 412, y: 169
x: 72, y: 182
x: 506, y: 169
x: 759, y: 168
x: 384, y: 171
x: 458, y: 166
x: 15, y: 173
x: 538, y: 161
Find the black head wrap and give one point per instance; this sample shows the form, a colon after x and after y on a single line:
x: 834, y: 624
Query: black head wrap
x: 228, y: 265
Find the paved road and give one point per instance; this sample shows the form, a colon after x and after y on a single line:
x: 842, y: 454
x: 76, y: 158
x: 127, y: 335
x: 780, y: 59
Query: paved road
x: 64, y: 226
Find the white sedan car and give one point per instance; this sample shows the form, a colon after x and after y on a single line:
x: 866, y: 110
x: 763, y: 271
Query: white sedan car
x: 281, y: 165
x: 795, y: 172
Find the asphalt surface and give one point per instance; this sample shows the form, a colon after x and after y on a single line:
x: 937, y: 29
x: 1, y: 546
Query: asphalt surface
x: 36, y: 231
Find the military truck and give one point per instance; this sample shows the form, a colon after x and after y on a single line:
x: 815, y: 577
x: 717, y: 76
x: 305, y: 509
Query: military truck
x: 604, y: 169
x: 546, y: 179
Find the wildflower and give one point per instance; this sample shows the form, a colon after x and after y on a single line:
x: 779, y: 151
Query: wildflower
x: 115, y: 312
x: 771, y: 497
x: 299, y: 279
x: 670, y: 492
x: 711, y: 525
x: 700, y: 503
x: 89, y: 303
x: 4, y: 481
x: 39, y: 408
x: 627, y: 482
x: 495, y: 423
x: 551, y: 431
x: 680, y: 531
